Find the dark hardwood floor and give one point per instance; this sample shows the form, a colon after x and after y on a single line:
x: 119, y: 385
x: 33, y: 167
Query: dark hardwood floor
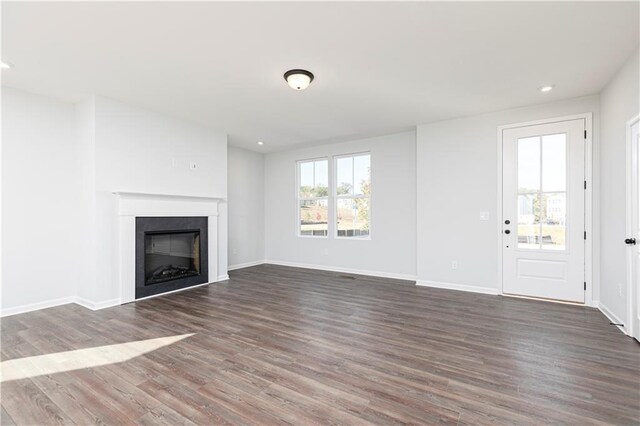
x: 285, y: 345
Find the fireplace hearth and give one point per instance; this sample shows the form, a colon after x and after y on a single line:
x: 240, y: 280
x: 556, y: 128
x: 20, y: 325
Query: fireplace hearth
x: 171, y: 254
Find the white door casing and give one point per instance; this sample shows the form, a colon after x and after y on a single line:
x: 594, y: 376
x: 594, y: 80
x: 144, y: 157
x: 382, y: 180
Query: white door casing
x: 632, y: 326
x: 543, y: 201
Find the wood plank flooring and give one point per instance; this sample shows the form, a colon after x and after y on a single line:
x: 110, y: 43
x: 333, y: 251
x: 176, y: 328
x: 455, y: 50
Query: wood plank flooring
x: 278, y: 345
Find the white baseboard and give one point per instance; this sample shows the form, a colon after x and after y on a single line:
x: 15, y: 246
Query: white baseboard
x: 343, y: 270
x: 36, y: 306
x: 172, y: 291
x: 245, y: 265
x: 459, y: 287
x: 611, y: 316
x: 94, y: 306
x: 86, y: 303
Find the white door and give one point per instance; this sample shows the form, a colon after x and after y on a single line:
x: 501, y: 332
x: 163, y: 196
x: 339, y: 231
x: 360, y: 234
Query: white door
x: 633, y: 241
x: 543, y: 233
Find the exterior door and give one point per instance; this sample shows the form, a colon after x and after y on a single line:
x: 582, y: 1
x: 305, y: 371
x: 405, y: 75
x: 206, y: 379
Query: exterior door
x: 543, y: 217
x: 633, y: 240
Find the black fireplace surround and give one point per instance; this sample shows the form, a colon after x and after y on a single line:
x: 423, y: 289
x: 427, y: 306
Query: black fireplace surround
x: 171, y: 253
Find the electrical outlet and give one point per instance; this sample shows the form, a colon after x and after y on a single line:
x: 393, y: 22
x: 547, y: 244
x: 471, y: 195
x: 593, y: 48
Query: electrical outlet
x: 454, y: 264
x: 620, y: 290
x: 325, y: 252
x: 235, y: 251
x: 484, y: 215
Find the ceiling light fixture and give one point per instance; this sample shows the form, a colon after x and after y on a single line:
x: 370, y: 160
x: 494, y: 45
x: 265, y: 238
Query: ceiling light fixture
x: 260, y: 143
x: 298, y: 79
x: 545, y: 89
x: 5, y: 65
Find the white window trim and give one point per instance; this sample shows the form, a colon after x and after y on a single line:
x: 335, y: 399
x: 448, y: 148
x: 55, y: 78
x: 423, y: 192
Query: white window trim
x: 298, y: 199
x: 336, y: 197
x: 332, y: 198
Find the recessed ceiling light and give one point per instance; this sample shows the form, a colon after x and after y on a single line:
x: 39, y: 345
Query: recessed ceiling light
x: 5, y: 65
x: 298, y: 79
x: 545, y: 89
x: 260, y: 143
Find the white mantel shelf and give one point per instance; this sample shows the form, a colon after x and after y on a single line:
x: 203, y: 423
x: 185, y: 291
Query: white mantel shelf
x: 148, y: 204
x: 174, y: 196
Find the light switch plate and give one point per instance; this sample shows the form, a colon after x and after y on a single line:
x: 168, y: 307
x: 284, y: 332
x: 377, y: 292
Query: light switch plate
x: 484, y: 215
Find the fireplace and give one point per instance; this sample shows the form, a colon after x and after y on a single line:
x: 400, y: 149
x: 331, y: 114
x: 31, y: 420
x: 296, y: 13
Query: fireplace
x: 171, y: 254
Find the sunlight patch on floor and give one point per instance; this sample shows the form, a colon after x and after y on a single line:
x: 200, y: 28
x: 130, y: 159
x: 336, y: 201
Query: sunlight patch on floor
x: 22, y: 368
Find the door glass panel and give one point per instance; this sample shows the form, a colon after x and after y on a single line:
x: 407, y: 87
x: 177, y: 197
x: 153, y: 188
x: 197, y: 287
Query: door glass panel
x: 554, y: 163
x: 553, y: 220
x: 542, y: 197
x: 528, y: 193
x: 528, y: 223
x: 528, y: 165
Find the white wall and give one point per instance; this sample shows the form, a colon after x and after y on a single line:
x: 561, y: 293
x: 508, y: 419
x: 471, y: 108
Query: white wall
x: 619, y: 102
x: 42, y: 244
x: 246, y: 207
x: 85, y: 133
x: 457, y: 179
x: 391, y: 250
x: 61, y: 163
x: 141, y: 151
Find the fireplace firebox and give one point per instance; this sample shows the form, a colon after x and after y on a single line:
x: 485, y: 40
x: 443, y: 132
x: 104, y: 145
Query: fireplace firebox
x: 171, y: 254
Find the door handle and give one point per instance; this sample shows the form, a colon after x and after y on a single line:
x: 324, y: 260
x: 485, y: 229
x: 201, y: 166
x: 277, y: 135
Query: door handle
x: 630, y: 241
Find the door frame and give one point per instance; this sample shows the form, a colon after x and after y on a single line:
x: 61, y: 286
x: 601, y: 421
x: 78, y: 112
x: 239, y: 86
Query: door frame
x: 632, y: 186
x: 592, y: 238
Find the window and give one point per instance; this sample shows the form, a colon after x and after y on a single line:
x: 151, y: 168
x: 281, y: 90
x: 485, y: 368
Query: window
x: 352, y: 195
x: 313, y: 198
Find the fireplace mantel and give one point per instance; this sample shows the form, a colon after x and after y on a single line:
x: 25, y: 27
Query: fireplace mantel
x: 126, y: 194
x: 148, y: 204
x: 138, y: 204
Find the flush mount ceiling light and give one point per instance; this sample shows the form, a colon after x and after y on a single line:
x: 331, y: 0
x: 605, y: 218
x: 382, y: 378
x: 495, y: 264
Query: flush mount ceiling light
x: 5, y: 65
x: 545, y: 89
x: 260, y: 143
x: 298, y: 79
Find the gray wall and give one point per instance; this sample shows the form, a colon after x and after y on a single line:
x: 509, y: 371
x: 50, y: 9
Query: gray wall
x: 60, y: 164
x: 619, y: 102
x: 457, y: 179
x: 246, y: 207
x: 391, y: 250
x: 41, y: 180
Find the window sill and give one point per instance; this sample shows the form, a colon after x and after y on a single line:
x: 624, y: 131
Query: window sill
x: 353, y: 238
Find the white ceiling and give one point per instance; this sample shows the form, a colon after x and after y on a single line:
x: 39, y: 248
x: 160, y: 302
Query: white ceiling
x: 380, y: 67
